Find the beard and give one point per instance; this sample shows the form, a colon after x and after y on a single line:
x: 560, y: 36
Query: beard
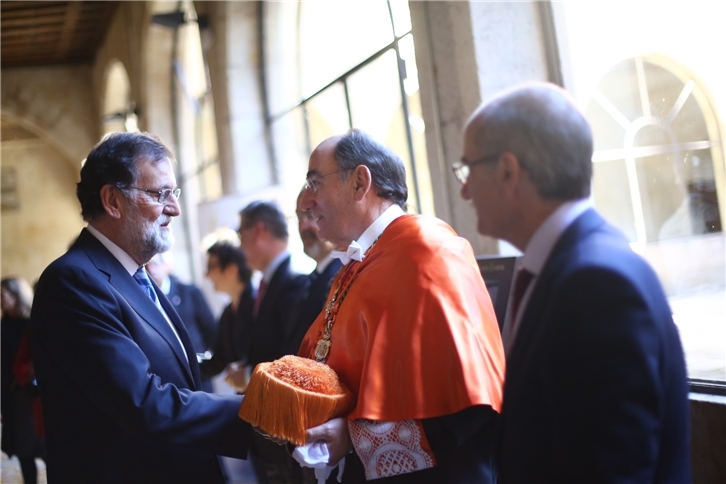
x: 148, y: 238
x: 315, y: 247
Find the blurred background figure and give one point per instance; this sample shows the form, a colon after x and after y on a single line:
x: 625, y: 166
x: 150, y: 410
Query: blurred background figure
x: 21, y: 416
x: 263, y: 237
x: 228, y: 271
x: 189, y: 303
x: 313, y: 296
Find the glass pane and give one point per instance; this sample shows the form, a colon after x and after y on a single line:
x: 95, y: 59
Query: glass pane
x: 612, y: 196
x: 327, y: 114
x: 376, y: 108
x: 281, y: 55
x: 210, y: 180
x: 401, y: 16
x: 375, y: 96
x: 291, y: 149
x: 336, y: 35
x: 660, y: 192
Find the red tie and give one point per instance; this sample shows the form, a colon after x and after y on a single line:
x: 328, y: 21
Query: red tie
x: 260, y: 295
x: 524, y: 277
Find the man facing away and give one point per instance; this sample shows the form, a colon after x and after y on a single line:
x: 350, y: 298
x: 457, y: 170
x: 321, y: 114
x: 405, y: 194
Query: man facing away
x: 596, y: 384
x: 116, y: 368
x: 189, y: 303
x: 410, y: 327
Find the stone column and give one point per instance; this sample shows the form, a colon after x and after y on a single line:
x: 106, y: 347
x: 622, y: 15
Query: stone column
x: 466, y: 52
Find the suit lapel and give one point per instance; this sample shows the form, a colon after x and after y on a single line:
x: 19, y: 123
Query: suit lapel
x: 183, y: 336
x: 534, y: 316
x: 125, y: 284
x: 270, y: 297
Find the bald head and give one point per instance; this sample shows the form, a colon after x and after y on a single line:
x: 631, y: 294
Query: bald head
x: 543, y: 127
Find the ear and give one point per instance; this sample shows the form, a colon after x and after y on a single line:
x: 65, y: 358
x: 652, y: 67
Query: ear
x: 511, y: 173
x: 112, y: 200
x: 362, y: 181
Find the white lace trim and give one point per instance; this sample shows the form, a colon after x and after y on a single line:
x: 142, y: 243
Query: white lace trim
x: 389, y: 448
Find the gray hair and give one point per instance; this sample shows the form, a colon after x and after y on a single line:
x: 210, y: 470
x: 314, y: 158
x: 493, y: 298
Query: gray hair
x: 388, y: 174
x: 541, y: 125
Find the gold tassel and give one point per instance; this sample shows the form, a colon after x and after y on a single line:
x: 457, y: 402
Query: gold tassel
x: 286, y: 411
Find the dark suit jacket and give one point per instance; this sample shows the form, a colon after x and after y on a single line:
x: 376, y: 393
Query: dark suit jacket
x: 309, y: 304
x: 194, y: 312
x: 596, y: 386
x: 118, y: 394
x: 232, y: 341
x: 267, y: 341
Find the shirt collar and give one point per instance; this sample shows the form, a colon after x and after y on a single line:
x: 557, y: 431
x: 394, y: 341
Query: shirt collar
x: 165, y: 285
x: 544, y: 239
x: 323, y: 264
x: 125, y: 259
x: 378, y: 226
x: 273, y: 265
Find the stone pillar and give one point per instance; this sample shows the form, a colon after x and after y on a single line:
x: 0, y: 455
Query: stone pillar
x: 466, y: 52
x: 235, y: 72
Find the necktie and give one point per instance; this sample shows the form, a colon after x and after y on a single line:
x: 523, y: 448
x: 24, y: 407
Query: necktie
x: 354, y: 252
x: 142, y: 279
x: 260, y: 295
x: 524, y: 277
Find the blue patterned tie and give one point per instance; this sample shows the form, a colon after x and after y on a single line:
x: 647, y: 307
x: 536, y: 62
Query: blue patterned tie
x: 142, y: 279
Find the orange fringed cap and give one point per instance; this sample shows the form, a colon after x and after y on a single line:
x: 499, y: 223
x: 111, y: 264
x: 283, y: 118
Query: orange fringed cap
x: 290, y: 395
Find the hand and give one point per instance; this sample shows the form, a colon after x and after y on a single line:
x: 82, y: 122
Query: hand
x: 237, y: 376
x: 336, y: 435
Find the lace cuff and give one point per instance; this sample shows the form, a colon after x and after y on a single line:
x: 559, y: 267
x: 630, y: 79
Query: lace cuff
x: 391, y: 448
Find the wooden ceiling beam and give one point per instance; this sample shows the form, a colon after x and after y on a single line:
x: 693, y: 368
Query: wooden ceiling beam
x: 69, y: 26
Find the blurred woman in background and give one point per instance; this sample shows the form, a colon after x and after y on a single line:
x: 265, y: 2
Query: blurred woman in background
x: 21, y: 413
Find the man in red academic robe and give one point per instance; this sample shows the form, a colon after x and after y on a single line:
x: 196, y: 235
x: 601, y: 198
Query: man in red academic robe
x: 409, y: 327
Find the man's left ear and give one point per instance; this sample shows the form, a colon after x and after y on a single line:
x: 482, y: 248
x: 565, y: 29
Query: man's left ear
x: 362, y: 181
x: 511, y: 171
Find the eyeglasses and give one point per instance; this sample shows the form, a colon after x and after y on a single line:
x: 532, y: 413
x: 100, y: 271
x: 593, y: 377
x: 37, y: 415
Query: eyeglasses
x: 311, y: 182
x: 162, y: 195
x: 462, y: 168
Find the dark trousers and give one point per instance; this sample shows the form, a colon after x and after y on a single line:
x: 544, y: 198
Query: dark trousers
x: 273, y: 463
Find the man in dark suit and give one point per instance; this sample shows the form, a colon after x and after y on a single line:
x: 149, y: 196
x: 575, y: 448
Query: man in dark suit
x: 315, y: 293
x: 189, y: 303
x: 263, y: 238
x: 115, y: 366
x: 595, y: 388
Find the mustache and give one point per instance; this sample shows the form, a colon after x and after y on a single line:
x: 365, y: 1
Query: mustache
x: 163, y: 219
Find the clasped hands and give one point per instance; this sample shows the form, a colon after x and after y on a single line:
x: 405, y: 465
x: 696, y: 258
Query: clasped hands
x: 334, y: 433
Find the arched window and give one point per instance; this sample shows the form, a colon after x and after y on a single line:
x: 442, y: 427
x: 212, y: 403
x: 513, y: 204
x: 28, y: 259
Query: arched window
x: 119, y: 109
x: 655, y: 130
x: 655, y: 170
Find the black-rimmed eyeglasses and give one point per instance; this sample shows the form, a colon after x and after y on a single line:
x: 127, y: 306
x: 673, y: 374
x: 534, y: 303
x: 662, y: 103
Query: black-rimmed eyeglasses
x: 162, y: 195
x: 462, y: 168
